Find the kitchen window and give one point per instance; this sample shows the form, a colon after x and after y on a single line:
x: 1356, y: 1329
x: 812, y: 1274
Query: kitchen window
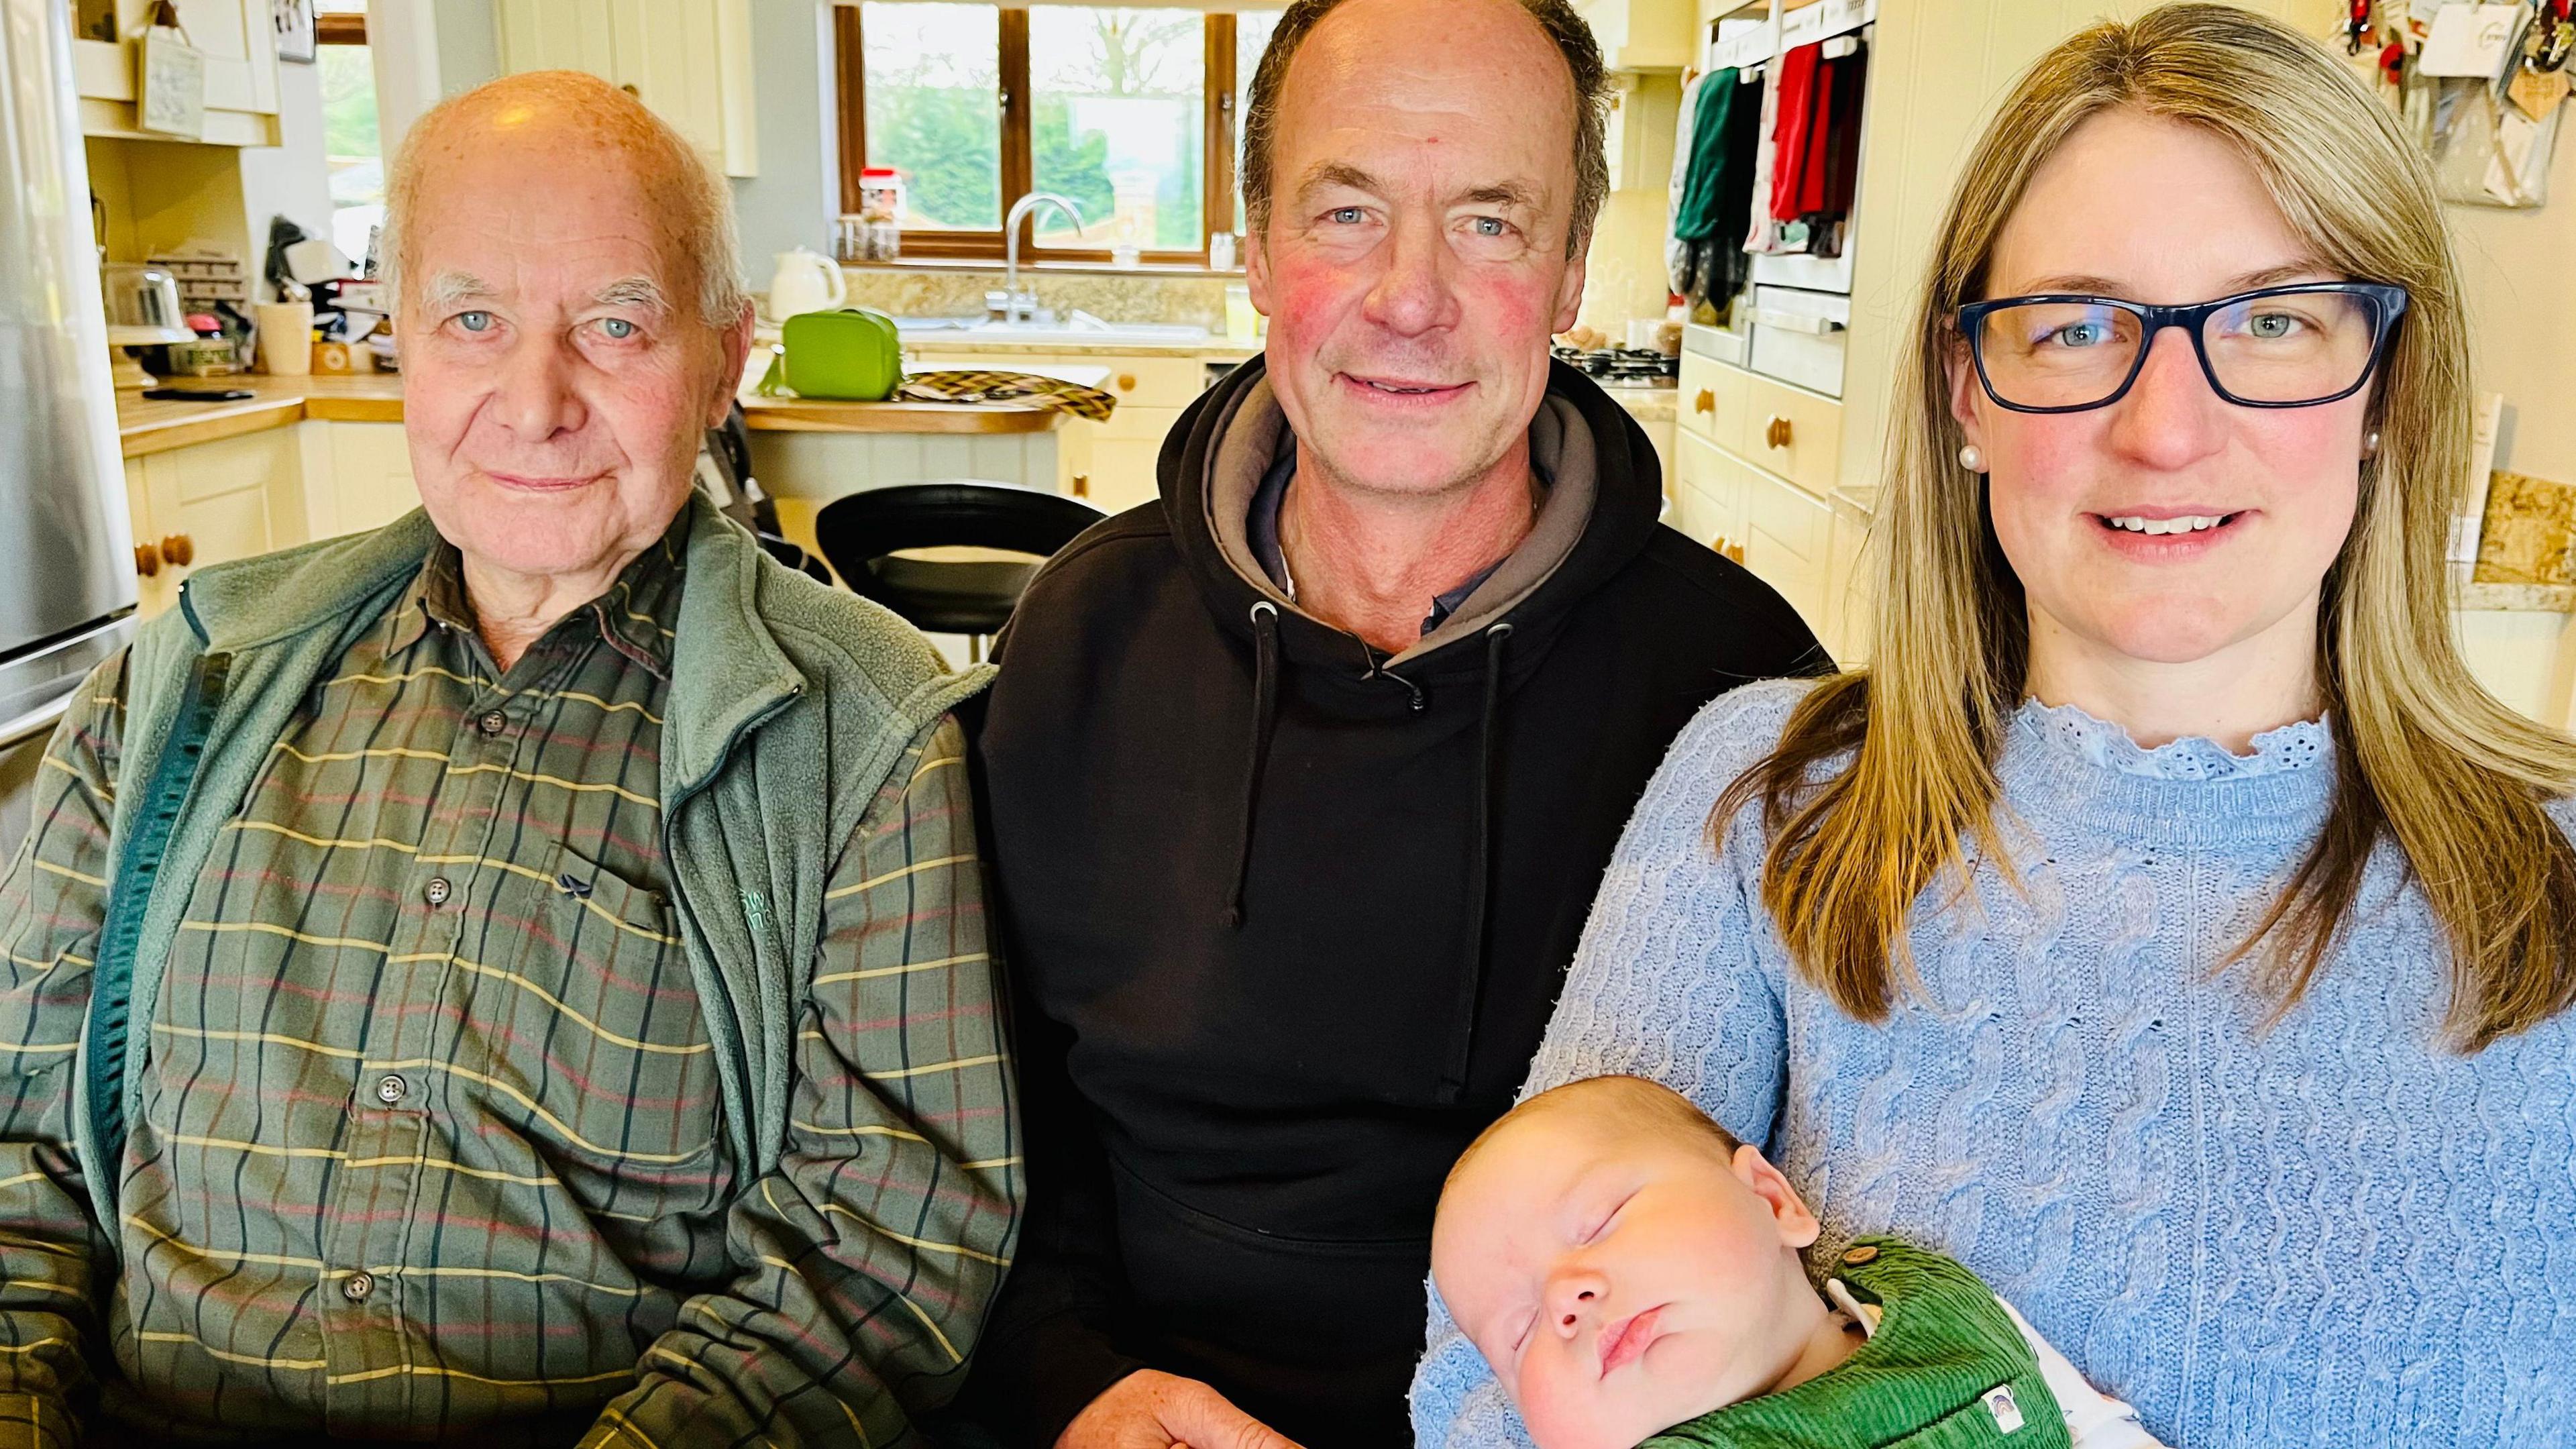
x: 1131, y: 112
x: 351, y: 145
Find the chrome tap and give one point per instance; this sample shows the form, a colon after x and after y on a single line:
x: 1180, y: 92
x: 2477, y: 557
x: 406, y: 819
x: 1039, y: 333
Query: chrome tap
x: 1019, y: 306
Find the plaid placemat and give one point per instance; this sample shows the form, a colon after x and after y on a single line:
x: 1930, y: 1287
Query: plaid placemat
x: 1022, y: 388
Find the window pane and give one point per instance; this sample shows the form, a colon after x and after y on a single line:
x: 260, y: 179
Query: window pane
x: 350, y: 146
x: 934, y: 109
x: 1252, y: 31
x: 1120, y: 121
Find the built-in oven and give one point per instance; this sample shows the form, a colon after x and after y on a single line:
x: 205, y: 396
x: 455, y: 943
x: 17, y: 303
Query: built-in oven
x: 66, y: 558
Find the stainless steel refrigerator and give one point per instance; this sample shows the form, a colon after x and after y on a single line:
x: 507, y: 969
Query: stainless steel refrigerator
x: 66, y: 554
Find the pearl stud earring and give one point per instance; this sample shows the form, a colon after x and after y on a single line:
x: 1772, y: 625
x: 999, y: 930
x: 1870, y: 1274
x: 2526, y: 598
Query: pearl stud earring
x: 1972, y: 458
x: 2370, y: 445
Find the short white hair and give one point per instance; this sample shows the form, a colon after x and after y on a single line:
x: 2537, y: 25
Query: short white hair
x: 591, y: 108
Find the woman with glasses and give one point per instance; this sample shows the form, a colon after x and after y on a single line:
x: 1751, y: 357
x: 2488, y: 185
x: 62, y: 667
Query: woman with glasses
x: 2164, y: 923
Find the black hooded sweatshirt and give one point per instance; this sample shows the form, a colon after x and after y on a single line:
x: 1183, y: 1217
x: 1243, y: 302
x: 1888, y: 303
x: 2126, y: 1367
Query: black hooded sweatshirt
x: 1285, y: 919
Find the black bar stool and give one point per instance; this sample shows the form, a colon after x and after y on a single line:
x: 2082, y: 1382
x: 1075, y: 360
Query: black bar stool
x: 864, y: 533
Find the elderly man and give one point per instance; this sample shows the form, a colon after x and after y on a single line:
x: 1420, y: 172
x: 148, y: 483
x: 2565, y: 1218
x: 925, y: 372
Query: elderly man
x: 1301, y: 782
x: 520, y: 973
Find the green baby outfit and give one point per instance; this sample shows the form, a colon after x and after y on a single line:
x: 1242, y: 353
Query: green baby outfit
x: 1945, y: 1368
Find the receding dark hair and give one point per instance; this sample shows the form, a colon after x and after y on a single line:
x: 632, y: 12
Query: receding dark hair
x: 1556, y: 17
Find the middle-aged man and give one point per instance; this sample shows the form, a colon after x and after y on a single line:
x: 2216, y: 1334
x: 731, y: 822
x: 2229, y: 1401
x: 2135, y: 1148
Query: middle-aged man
x: 1301, y: 781
x: 520, y: 973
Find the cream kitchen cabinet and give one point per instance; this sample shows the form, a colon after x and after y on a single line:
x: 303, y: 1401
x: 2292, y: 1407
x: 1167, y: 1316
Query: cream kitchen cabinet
x: 357, y: 476
x: 1112, y: 465
x: 1638, y: 134
x: 1641, y: 34
x: 228, y: 499
x: 1757, y: 465
x: 690, y: 60
x: 1850, y: 587
x: 1708, y: 495
x: 239, y: 44
x: 1787, y: 539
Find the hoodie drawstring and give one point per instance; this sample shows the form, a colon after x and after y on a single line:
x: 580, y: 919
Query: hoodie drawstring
x: 1265, y: 708
x: 1471, y: 991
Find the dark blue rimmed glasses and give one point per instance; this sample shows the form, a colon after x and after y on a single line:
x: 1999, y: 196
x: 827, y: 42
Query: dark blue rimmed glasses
x: 2279, y: 347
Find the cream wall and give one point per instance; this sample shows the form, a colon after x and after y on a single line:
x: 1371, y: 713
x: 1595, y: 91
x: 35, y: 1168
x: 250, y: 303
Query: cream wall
x: 2519, y: 272
x: 1625, y: 277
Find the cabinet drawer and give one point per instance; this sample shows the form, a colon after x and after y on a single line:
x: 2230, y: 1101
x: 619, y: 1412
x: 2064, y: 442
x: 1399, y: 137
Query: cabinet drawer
x: 1713, y: 398
x: 1849, y: 616
x: 1795, y: 434
x: 1788, y: 538
x: 1708, y: 494
x: 1152, y: 382
x: 1137, y: 421
x: 1122, y: 473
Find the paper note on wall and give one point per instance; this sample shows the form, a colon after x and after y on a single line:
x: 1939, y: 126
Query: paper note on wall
x: 2470, y: 521
x: 171, y: 96
x: 2470, y: 40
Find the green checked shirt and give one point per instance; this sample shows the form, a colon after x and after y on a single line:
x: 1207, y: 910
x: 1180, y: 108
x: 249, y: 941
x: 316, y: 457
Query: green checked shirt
x: 428, y: 1142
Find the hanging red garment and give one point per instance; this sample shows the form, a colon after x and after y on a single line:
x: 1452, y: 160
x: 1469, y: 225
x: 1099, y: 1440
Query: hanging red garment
x: 1799, y: 134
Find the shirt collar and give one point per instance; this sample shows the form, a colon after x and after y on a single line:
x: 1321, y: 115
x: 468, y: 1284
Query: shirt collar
x: 1261, y: 531
x: 636, y: 616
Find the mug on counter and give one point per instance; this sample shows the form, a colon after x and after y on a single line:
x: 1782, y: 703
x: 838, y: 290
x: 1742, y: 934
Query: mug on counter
x: 285, y: 338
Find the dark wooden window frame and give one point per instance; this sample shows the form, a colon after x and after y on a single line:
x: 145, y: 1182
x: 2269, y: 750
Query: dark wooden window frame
x: 1216, y: 167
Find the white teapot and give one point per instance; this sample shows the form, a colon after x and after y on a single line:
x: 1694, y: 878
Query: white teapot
x: 805, y: 281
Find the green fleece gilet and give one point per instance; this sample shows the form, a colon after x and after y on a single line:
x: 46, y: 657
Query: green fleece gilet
x: 789, y: 705
x: 1945, y: 1369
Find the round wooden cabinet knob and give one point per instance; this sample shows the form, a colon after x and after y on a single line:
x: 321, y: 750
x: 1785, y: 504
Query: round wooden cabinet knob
x: 1126, y: 382
x: 147, y: 559
x: 1707, y: 402
x: 179, y: 549
x: 1081, y: 485
x: 1776, y: 432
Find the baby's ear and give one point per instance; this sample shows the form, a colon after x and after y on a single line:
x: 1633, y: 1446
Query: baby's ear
x: 1798, y: 1227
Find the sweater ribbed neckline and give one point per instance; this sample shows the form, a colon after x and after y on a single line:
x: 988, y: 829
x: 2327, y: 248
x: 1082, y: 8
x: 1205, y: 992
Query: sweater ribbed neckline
x: 2061, y: 762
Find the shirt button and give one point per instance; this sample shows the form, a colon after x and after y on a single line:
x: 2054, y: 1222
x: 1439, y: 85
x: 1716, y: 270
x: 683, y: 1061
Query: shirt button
x: 493, y: 723
x: 357, y: 1286
x: 437, y: 891
x: 391, y: 1090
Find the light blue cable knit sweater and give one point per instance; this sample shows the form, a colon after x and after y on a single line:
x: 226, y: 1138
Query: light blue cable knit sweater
x: 2334, y: 1232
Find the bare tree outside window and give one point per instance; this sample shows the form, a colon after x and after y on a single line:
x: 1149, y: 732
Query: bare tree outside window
x: 1119, y: 124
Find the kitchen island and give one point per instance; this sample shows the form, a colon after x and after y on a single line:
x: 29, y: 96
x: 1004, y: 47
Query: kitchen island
x: 306, y: 458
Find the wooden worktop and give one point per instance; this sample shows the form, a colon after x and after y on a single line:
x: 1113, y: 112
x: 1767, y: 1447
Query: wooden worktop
x: 147, y: 425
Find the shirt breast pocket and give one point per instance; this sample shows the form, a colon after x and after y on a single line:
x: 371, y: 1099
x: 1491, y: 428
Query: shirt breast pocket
x: 595, y: 1028
x: 2016, y: 1415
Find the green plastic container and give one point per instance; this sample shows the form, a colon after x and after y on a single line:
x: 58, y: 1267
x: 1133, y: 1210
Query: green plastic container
x: 850, y: 355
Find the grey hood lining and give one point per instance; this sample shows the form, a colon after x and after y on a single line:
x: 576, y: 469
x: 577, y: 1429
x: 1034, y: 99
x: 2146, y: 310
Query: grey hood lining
x: 1561, y: 448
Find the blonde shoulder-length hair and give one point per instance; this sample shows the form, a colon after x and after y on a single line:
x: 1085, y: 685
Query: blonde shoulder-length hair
x: 2425, y: 757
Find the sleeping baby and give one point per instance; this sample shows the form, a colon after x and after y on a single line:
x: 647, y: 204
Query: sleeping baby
x: 1633, y: 1275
